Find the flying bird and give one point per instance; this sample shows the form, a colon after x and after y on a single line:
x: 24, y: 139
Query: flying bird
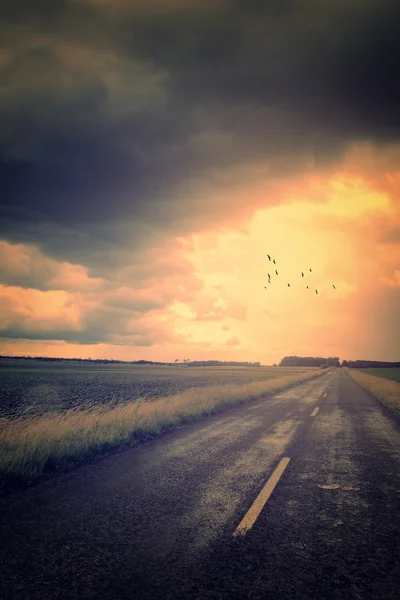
x: 334, y: 287
x: 276, y: 271
x: 269, y: 276
x: 269, y: 258
x: 310, y: 271
x: 316, y: 291
x: 302, y: 274
x: 307, y: 287
x: 288, y: 284
x: 273, y: 260
x: 265, y: 287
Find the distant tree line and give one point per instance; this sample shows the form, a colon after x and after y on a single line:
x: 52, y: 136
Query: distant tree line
x: 224, y: 363
x: 370, y: 364
x: 309, y: 361
x: 287, y: 361
x: 106, y: 361
x: 102, y: 361
x: 55, y: 359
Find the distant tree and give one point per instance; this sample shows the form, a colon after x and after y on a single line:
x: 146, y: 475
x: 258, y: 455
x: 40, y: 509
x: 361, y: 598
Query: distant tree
x: 309, y: 361
x: 217, y: 363
x: 370, y: 364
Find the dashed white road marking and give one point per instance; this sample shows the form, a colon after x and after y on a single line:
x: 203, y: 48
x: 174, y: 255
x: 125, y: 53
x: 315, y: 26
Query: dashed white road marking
x: 315, y: 411
x: 251, y: 516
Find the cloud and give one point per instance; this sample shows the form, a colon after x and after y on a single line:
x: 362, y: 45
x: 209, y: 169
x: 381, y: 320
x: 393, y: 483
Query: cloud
x: 38, y: 315
x: 149, y: 160
x: 24, y: 265
x: 233, y: 341
x: 392, y: 236
x: 271, y: 314
x: 58, y: 315
x: 170, y: 297
x: 216, y: 308
x: 132, y: 300
x: 136, y: 128
x: 44, y: 299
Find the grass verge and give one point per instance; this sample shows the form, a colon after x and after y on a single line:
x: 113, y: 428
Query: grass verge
x: 31, y: 447
x: 386, y: 391
x: 386, y: 373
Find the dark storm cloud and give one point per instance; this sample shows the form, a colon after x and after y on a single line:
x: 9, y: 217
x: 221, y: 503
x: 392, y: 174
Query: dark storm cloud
x: 106, y: 114
x: 319, y: 59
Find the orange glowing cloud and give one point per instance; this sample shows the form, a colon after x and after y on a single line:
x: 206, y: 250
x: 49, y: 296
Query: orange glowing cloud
x: 204, y: 294
x: 26, y: 265
x: 338, y: 233
x: 26, y: 311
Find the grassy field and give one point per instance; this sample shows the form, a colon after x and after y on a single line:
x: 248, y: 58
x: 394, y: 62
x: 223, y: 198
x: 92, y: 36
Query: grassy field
x: 393, y: 374
x: 34, y: 388
x: 31, y: 446
x: 382, y: 388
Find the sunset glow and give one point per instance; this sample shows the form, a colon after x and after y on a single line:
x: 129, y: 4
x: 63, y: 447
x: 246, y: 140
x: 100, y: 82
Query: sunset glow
x: 137, y: 226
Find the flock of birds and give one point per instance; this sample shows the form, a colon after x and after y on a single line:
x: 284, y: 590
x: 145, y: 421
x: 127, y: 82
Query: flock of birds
x: 276, y: 273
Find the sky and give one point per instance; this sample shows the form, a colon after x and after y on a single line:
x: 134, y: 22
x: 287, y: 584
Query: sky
x: 153, y: 152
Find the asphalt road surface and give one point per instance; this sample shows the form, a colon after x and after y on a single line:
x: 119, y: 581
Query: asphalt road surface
x: 273, y: 500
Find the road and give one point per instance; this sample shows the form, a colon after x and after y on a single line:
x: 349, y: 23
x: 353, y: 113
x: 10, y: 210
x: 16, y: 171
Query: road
x: 177, y: 517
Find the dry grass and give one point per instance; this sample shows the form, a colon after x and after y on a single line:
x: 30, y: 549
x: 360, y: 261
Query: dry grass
x: 385, y: 390
x: 32, y: 446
